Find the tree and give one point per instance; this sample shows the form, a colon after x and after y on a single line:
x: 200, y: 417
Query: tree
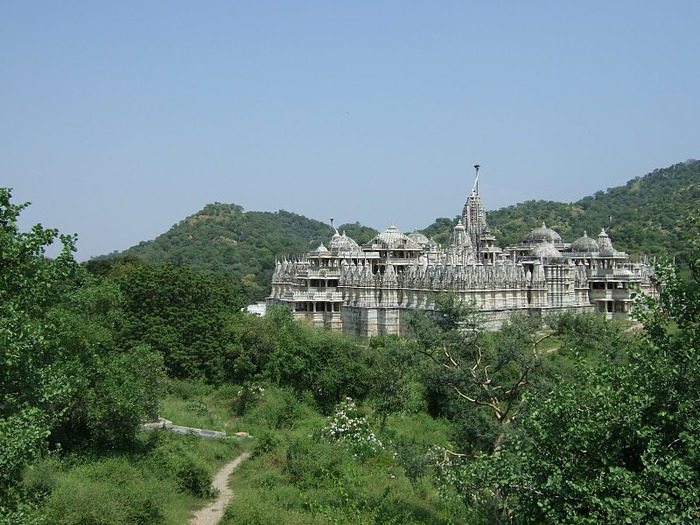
x: 113, y: 387
x: 480, y: 377
x: 330, y: 365
x: 393, y: 363
x: 616, y: 443
x: 30, y: 387
x: 63, y: 380
x: 181, y: 313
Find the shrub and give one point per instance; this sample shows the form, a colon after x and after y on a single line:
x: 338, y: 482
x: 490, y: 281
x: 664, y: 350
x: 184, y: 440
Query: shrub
x: 280, y: 409
x: 310, y: 464
x: 193, y: 477
x: 349, y: 428
x: 266, y: 442
x: 109, y: 492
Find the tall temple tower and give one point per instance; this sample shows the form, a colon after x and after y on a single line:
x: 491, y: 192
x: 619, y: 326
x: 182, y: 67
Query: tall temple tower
x: 474, y: 220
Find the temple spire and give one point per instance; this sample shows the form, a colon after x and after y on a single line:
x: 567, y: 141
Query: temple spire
x: 475, y: 188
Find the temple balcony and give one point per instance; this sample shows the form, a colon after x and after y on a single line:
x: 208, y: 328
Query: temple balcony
x: 311, y: 295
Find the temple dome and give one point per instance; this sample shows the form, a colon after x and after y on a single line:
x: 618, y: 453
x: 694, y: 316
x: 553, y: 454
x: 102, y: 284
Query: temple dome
x: 542, y: 234
x: 545, y: 249
x: 343, y: 243
x: 392, y: 238
x: 391, y: 235
x: 421, y: 239
x: 584, y: 244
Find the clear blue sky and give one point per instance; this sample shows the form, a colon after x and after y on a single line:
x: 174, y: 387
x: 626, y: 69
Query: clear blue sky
x: 118, y: 119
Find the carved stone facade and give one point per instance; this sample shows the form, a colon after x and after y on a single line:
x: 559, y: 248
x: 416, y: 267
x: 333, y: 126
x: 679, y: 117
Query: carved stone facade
x: 367, y: 290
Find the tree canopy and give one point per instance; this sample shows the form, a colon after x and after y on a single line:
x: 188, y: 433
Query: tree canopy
x: 63, y: 379
x: 617, y: 442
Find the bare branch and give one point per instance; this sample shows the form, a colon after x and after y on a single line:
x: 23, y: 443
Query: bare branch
x: 535, y: 351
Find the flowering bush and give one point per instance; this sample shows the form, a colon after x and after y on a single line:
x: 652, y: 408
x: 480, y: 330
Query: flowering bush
x: 246, y: 397
x: 347, y: 427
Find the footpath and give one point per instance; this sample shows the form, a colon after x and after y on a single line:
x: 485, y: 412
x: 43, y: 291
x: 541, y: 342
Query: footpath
x: 212, y: 513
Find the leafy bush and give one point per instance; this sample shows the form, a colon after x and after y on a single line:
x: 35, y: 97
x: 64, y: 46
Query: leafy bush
x: 109, y: 492
x: 193, y: 477
x: 281, y: 409
x: 266, y: 442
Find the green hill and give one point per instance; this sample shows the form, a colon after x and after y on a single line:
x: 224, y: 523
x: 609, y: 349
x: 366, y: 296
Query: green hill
x: 224, y: 238
x: 645, y: 216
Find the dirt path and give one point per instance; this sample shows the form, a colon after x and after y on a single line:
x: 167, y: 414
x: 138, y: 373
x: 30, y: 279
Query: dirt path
x: 212, y: 513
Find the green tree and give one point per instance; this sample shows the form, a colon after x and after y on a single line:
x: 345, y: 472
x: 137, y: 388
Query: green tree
x: 394, y: 362
x: 476, y: 378
x: 112, y: 388
x: 616, y: 443
x: 329, y: 365
x: 182, y: 314
x: 62, y: 378
x: 30, y: 386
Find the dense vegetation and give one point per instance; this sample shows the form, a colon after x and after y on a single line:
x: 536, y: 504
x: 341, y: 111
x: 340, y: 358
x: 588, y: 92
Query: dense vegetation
x: 645, y: 216
x: 579, y: 422
x: 224, y: 239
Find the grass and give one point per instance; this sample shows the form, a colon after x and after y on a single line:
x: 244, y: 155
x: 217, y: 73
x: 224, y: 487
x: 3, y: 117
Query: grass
x: 198, y: 405
x: 294, y: 476
x: 297, y: 477
x: 161, y: 480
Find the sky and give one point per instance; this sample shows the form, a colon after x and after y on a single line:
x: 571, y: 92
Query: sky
x: 119, y: 119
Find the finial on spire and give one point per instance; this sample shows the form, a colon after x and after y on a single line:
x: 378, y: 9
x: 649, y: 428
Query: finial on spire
x: 332, y: 225
x: 475, y: 188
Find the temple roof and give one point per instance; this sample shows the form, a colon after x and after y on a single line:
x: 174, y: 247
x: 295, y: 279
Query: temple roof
x: 392, y: 238
x: 584, y: 244
x: 343, y: 243
x: 421, y: 239
x: 542, y: 234
x: 604, y: 243
x: 545, y: 249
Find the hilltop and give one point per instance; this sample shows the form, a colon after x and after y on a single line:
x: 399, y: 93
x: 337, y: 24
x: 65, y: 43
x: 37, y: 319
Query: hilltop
x: 224, y: 238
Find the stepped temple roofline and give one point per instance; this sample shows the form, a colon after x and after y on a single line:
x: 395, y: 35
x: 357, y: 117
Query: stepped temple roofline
x: 369, y: 289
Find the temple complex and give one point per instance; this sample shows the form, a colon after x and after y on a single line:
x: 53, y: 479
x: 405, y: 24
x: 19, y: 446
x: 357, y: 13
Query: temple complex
x: 368, y: 290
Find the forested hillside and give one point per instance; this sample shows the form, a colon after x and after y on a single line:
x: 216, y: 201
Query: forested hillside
x: 223, y: 238
x: 646, y: 215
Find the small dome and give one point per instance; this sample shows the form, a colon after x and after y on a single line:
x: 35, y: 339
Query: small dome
x: 392, y: 238
x: 542, y: 234
x: 584, y: 244
x: 321, y: 248
x: 421, y: 239
x: 343, y: 243
x: 390, y: 235
x: 459, y: 236
x: 545, y: 249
